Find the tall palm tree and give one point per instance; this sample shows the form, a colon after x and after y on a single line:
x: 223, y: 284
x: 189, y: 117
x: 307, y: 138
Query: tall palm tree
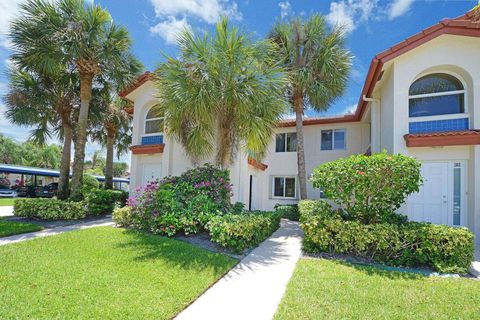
x: 318, y: 65
x: 224, y: 92
x: 113, y: 132
x: 46, y: 103
x: 80, y: 35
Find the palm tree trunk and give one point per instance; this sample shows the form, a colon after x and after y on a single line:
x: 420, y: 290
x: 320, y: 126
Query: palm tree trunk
x: 79, y: 158
x: 302, y: 174
x: 65, y: 164
x: 109, y: 160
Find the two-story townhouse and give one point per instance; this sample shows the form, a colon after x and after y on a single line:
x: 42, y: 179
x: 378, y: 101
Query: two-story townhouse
x: 421, y: 98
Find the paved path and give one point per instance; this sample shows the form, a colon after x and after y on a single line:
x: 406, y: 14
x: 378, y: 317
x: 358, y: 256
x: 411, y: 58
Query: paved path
x: 6, y: 211
x: 475, y: 269
x: 54, y: 231
x: 252, y: 289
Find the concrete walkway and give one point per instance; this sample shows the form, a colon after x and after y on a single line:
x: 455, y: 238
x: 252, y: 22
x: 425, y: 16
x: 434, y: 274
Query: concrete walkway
x: 252, y: 289
x: 54, y: 231
x: 475, y: 269
x: 6, y: 211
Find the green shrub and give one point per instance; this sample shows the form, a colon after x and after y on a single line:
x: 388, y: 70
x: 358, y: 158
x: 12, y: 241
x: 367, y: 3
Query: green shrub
x: 238, y: 208
x: 443, y: 248
x: 287, y: 211
x: 123, y: 216
x: 53, y: 209
x: 182, y: 204
x: 311, y: 208
x: 90, y: 182
x: 368, y: 187
x: 242, y: 231
x: 100, y: 201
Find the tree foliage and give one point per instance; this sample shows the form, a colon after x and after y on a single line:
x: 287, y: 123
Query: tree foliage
x: 225, y: 92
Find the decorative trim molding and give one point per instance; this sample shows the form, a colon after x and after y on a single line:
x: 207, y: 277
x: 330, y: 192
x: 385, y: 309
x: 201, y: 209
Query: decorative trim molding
x: 147, y: 149
x: 257, y: 164
x: 443, y: 139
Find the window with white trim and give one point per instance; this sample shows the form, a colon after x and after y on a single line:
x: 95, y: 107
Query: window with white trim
x: 436, y: 94
x: 154, y: 121
x: 284, y: 187
x: 334, y: 139
x: 286, y: 142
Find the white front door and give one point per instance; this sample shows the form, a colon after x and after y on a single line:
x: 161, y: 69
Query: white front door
x: 440, y: 199
x: 151, y: 172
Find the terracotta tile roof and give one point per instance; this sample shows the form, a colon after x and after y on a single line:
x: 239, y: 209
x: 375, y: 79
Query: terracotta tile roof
x: 437, y: 139
x: 147, y: 76
x: 319, y: 120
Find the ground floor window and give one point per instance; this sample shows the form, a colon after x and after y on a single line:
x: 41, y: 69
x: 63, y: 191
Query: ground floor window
x: 284, y: 187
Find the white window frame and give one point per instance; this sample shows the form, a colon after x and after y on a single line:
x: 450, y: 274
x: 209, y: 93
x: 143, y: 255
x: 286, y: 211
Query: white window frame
x: 333, y: 139
x: 286, y: 143
x: 284, y: 187
x: 145, y: 120
x: 465, y: 114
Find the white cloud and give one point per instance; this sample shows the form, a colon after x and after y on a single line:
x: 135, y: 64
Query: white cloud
x: 8, y: 10
x: 398, y: 8
x: 170, y: 28
x: 285, y: 9
x: 174, y: 14
x: 348, y: 13
x: 206, y: 10
x: 351, y: 13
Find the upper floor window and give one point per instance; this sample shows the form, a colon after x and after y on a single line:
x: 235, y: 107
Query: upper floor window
x: 436, y: 94
x: 286, y: 142
x: 154, y: 121
x: 333, y: 139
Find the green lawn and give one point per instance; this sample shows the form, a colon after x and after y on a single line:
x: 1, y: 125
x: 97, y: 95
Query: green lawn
x: 104, y: 273
x: 8, y: 228
x: 324, y: 289
x: 6, y: 202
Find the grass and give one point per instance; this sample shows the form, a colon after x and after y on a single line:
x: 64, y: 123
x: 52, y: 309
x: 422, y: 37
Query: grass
x: 8, y: 228
x: 6, y: 202
x: 104, y: 273
x: 325, y: 289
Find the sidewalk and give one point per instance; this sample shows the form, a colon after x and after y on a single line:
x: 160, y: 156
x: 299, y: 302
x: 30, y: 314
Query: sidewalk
x: 6, y: 211
x: 475, y: 269
x: 253, y: 289
x: 54, y: 231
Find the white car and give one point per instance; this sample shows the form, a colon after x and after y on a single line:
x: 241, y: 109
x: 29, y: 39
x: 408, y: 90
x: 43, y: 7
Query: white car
x: 6, y: 192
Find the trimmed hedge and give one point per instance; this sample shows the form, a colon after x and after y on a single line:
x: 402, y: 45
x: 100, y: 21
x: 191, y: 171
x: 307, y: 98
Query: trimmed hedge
x: 101, y: 201
x: 443, y: 248
x: 287, y: 211
x: 239, y: 232
x: 51, y: 209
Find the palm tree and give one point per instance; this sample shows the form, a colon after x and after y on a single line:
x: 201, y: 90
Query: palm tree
x: 79, y: 35
x: 113, y: 132
x: 46, y: 103
x: 225, y: 92
x: 318, y: 65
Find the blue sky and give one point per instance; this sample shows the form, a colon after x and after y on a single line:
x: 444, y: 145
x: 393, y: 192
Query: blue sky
x: 373, y: 26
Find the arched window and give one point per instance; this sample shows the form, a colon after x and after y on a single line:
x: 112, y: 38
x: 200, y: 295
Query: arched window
x: 436, y: 94
x: 154, y: 121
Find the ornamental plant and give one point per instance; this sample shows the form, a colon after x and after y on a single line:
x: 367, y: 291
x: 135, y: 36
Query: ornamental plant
x: 369, y: 188
x: 181, y: 203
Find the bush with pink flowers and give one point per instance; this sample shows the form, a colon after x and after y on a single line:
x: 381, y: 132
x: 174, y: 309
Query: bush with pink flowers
x: 182, y: 203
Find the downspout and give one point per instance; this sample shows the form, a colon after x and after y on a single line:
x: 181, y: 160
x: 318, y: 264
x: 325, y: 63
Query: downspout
x: 375, y: 125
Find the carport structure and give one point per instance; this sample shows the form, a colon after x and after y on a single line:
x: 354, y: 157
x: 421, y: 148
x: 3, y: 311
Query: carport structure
x: 40, y: 172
